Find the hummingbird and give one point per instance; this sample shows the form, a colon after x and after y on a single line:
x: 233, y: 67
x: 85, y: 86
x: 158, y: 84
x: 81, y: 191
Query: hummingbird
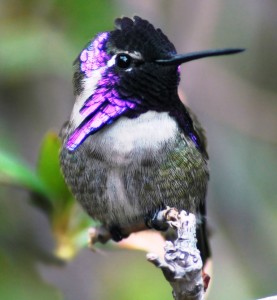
x: 131, y: 147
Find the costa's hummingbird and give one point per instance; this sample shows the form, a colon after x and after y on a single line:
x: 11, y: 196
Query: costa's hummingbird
x: 131, y: 147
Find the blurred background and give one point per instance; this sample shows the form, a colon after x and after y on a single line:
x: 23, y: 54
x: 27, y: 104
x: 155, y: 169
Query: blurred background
x: 234, y: 97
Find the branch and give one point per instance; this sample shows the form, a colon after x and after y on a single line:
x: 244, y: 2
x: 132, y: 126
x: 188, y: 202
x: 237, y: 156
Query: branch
x: 182, y: 265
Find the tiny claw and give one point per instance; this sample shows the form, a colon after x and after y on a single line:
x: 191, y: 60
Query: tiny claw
x: 92, y: 237
x: 171, y: 214
x: 97, y: 234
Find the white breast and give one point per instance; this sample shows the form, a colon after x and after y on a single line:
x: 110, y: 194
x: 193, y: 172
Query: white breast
x: 128, y: 139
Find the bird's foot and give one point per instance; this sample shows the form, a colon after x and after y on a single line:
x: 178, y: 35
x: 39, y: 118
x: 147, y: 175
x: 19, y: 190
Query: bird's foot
x: 117, y: 233
x: 98, y: 234
x: 171, y: 215
x: 102, y: 234
x: 162, y: 219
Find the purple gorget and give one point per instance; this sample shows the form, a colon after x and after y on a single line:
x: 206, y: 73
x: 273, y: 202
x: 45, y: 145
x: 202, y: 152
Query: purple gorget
x: 104, y: 105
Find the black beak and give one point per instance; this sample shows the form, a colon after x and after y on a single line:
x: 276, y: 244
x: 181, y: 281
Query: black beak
x: 183, y: 58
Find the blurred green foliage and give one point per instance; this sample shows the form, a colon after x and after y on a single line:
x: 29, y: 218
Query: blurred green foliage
x: 48, y: 170
x: 36, y: 36
x: 51, y: 194
x: 69, y: 226
x: 81, y: 20
x: 15, y: 172
x: 18, y: 281
x: 69, y: 222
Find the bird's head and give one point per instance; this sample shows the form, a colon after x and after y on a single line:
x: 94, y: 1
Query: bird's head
x: 127, y: 71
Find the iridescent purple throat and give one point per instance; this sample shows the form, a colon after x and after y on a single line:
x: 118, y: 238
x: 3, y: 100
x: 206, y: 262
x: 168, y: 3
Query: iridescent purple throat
x: 105, y: 105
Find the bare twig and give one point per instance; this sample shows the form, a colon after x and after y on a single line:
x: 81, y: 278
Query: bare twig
x: 182, y: 265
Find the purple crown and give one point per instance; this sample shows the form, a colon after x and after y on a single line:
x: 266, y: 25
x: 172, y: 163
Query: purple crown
x: 95, y: 55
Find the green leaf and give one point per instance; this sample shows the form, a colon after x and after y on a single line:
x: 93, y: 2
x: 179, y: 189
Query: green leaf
x: 68, y: 221
x: 15, y: 172
x: 50, y: 173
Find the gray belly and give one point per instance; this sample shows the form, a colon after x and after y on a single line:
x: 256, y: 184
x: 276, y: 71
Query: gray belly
x: 121, y: 175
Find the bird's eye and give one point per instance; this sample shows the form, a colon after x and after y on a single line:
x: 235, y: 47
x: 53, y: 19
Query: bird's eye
x: 123, y: 60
